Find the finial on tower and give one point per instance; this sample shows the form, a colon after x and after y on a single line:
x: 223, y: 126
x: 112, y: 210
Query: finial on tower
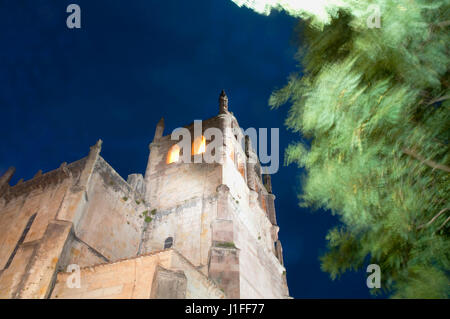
x: 6, y: 177
x: 223, y: 102
x: 267, y: 182
x: 159, y: 129
x: 96, y: 148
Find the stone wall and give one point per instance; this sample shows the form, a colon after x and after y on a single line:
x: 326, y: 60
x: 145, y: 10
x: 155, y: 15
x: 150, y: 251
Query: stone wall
x: 112, y: 219
x: 81, y: 213
x: 31, y: 237
x: 218, y: 219
x: 43, y: 196
x: 242, y: 255
x: 220, y: 216
x: 178, y: 182
x: 189, y: 224
x: 159, y: 271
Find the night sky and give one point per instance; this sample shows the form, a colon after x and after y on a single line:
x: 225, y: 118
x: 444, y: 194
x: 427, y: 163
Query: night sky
x: 133, y: 62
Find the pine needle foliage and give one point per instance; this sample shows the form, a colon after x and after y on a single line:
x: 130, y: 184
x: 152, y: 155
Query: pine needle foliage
x: 373, y: 104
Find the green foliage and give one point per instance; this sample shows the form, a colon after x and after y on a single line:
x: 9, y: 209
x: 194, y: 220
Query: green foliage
x: 373, y: 106
x: 148, y: 219
x: 124, y: 198
x: 226, y: 245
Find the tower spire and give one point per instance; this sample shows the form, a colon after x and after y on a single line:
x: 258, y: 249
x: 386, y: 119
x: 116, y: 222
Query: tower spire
x: 159, y: 129
x: 6, y: 177
x: 223, y: 102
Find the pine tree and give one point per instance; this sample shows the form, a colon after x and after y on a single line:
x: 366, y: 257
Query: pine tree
x: 373, y: 111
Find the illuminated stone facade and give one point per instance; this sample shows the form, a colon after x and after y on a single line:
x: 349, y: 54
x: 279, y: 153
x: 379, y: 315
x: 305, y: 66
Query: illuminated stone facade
x: 183, y: 230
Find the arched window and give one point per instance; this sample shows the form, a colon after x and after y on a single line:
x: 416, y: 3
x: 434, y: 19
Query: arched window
x: 199, y: 145
x: 174, y: 154
x: 168, y: 242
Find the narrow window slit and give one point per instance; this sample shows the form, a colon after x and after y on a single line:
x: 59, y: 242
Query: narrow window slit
x: 22, y: 238
x: 168, y: 242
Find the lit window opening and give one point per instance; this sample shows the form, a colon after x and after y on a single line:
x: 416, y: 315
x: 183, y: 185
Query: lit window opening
x: 199, y: 145
x: 174, y: 154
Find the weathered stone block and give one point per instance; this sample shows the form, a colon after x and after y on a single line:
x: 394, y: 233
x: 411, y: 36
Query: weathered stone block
x: 224, y: 270
x: 168, y: 284
x: 222, y: 230
x: 43, y: 265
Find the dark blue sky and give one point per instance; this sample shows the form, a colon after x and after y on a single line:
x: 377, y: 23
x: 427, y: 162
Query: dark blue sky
x: 136, y: 61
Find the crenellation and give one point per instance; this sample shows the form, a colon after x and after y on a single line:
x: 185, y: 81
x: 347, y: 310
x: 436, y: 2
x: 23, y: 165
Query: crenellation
x: 6, y: 178
x: 44, y: 181
x: 38, y: 174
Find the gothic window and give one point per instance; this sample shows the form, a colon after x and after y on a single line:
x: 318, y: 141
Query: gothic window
x: 168, y: 242
x: 174, y: 154
x: 199, y: 145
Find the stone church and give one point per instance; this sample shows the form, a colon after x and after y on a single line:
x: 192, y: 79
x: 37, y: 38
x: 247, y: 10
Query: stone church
x: 183, y: 230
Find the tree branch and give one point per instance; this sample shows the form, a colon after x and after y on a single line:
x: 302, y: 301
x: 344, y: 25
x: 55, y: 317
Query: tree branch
x: 443, y: 23
x: 433, y: 219
x: 448, y: 218
x: 439, y: 99
x: 430, y: 163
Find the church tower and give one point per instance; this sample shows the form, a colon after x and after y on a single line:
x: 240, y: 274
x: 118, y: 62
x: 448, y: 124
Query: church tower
x: 219, y: 215
x: 192, y: 227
